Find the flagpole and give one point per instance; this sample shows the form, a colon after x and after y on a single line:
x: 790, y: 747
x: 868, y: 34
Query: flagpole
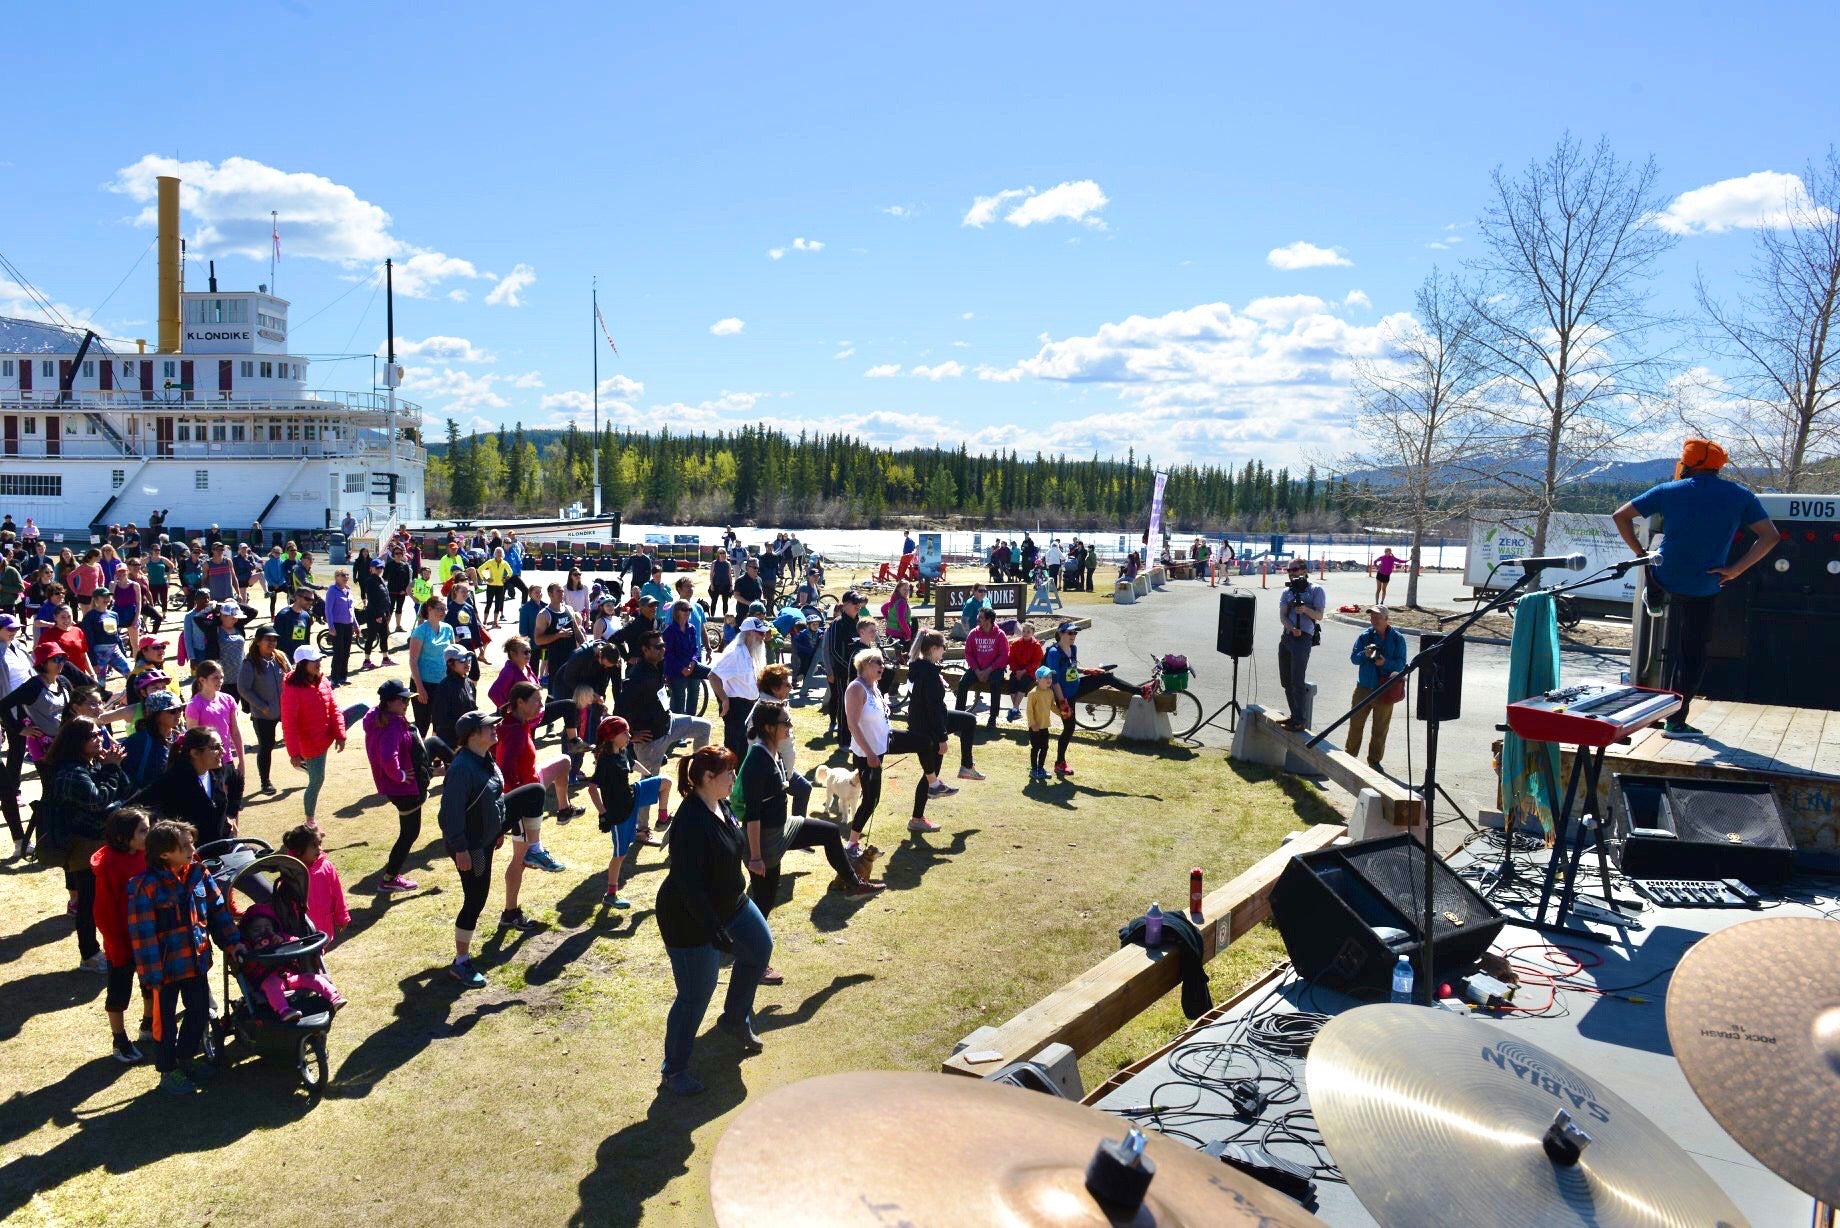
x: 274, y: 235
x: 596, y: 343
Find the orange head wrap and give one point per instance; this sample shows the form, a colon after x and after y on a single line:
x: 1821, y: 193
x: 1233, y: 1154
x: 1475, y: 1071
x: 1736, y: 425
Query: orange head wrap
x: 1697, y: 453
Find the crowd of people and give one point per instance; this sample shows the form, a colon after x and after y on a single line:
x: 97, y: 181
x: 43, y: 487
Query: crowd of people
x: 588, y: 689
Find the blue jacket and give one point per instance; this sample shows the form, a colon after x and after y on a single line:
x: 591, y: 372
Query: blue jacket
x: 681, y: 645
x: 274, y: 571
x: 1392, y: 656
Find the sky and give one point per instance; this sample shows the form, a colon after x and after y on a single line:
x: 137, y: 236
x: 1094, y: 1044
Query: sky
x: 1065, y: 227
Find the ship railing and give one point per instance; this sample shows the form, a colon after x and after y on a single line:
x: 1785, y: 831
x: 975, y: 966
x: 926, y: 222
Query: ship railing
x: 176, y: 401
x: 99, y: 447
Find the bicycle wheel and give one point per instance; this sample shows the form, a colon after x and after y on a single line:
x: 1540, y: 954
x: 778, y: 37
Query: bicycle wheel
x: 1187, y: 717
x: 1089, y: 715
x: 702, y: 696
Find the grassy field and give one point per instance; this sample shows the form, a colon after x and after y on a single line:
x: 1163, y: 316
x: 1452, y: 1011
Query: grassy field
x: 534, y: 1101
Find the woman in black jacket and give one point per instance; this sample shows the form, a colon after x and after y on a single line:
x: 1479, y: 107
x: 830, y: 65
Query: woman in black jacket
x: 771, y: 829
x: 85, y: 783
x: 703, y: 910
x: 194, y: 788
x: 930, y: 722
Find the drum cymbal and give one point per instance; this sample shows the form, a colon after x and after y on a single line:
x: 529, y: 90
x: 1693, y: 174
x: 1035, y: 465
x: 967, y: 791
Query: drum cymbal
x: 1753, y: 1013
x: 882, y: 1148
x: 1435, y: 1119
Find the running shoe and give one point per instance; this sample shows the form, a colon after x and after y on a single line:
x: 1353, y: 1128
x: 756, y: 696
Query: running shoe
x: 387, y: 663
x: 614, y: 899
x: 860, y: 889
x: 125, y: 1051
x: 970, y: 773
x: 922, y: 825
x: 940, y: 788
x: 514, y: 919
x: 172, y: 1083
x: 95, y: 963
x: 569, y: 812
x: 540, y: 857
x: 1061, y: 769
x: 462, y: 970
x: 1014, y: 714
x: 396, y: 882
x: 1675, y: 728
x: 683, y: 1083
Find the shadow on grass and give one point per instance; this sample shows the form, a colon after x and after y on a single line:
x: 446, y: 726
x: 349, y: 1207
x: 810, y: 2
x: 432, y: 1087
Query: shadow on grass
x: 611, y: 923
x: 41, y: 932
x: 634, y: 1164
x: 770, y: 1018
x: 1305, y: 796
x: 45, y: 992
x: 424, y: 1014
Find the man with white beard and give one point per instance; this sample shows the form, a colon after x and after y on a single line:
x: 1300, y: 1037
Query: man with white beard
x: 735, y: 679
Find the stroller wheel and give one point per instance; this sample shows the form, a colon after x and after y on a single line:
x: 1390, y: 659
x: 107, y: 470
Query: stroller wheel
x: 310, y: 1061
x: 216, y: 1040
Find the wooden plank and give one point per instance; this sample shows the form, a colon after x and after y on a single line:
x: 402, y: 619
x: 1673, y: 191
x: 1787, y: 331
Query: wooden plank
x: 1827, y: 754
x: 1348, y: 771
x: 1800, y: 740
x: 1095, y: 1004
x: 1118, y: 1078
x: 1758, y: 750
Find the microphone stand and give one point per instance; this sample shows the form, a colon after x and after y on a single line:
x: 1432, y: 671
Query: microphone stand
x: 1427, y: 659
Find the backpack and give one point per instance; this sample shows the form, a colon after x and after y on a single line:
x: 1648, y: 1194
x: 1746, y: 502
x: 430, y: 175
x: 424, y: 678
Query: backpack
x: 737, y: 801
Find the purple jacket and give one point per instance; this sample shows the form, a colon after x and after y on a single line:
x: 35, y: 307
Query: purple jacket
x: 338, y: 606
x: 392, y: 754
x: 680, y: 648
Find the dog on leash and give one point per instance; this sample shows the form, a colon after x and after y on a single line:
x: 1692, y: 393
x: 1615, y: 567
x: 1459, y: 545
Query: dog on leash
x: 842, y: 792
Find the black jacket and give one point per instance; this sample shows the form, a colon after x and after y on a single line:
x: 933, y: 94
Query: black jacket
x: 763, y: 795
x: 926, y: 705
x: 613, y: 777
x: 705, y: 885
x: 638, y: 701
x: 582, y: 668
x: 1178, y: 932
x: 176, y: 794
x: 472, y: 805
x: 396, y: 576
x: 633, y: 634
x: 448, y: 700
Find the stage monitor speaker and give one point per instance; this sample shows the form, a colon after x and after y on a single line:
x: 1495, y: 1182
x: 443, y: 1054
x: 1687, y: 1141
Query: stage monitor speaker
x: 1347, y: 914
x: 1238, y: 614
x: 1440, y: 684
x: 1701, y: 829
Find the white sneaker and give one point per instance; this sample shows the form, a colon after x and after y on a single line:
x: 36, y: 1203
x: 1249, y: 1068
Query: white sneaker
x: 970, y: 773
x: 921, y: 825
x: 98, y: 962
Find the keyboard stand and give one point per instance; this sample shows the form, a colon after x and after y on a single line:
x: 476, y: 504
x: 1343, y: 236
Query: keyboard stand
x: 1568, y: 846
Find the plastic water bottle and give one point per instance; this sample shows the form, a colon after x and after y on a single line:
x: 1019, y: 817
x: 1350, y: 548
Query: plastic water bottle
x: 1153, y: 926
x: 1402, y: 980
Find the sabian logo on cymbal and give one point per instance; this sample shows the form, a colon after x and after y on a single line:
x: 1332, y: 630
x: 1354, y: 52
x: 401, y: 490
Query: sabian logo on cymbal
x: 1736, y: 1032
x: 1561, y: 1085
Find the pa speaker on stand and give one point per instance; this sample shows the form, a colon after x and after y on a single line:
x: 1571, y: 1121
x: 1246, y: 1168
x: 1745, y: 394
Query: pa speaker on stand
x: 1233, y: 638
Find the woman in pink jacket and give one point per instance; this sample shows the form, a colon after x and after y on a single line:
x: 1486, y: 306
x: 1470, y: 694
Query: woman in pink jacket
x: 311, y: 723
x: 401, y: 770
x: 212, y: 707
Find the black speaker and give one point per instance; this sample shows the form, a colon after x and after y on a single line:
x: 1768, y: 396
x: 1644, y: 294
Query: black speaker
x: 1701, y: 829
x: 1440, y: 682
x: 1238, y: 613
x: 1331, y: 907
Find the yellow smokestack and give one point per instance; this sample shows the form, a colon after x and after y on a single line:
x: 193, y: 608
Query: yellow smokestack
x: 169, y: 263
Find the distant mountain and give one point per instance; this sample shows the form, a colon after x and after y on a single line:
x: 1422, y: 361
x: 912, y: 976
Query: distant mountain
x: 1605, y: 473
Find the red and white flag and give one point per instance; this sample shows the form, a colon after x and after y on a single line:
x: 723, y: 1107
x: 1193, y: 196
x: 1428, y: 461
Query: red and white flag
x: 275, y: 234
x: 603, y: 323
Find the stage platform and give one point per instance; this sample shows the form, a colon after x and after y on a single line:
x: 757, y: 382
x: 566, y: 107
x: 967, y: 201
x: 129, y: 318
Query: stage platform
x: 1794, y: 750
x: 1620, y: 1039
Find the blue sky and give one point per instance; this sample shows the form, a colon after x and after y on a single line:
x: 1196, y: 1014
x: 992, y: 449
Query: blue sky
x: 1133, y: 277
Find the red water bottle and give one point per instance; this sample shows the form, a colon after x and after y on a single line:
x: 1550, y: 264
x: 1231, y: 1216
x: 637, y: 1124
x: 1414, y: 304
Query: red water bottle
x: 1194, y: 892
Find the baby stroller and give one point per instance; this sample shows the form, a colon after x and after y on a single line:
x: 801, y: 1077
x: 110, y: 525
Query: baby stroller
x: 251, y: 867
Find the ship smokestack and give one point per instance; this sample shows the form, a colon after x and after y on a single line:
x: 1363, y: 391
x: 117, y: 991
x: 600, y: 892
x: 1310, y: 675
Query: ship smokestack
x: 213, y: 277
x: 169, y: 263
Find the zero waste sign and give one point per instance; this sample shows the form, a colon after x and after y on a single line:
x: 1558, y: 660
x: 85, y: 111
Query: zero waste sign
x: 1498, y: 535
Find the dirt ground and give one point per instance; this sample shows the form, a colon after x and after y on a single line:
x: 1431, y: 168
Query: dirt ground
x: 534, y: 1101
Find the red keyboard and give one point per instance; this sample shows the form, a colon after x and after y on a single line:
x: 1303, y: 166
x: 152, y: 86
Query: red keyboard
x: 1590, y: 713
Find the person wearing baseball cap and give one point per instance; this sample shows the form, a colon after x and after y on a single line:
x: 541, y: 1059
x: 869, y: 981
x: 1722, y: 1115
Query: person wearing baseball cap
x: 473, y: 821
x: 1703, y: 514
x: 840, y: 645
x: 454, y: 696
x: 32, y: 711
x: 401, y: 768
x: 1071, y: 682
x: 311, y: 724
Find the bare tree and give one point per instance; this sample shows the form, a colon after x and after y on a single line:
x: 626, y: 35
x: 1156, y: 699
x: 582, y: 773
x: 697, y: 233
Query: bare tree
x: 1562, y: 295
x: 1418, y: 418
x: 1782, y: 335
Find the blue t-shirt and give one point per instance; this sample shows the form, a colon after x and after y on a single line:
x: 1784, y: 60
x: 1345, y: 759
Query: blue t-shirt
x: 429, y: 642
x: 1701, y: 515
x: 1065, y: 667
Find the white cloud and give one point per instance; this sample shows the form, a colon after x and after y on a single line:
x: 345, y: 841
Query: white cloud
x: 798, y: 245
x: 899, y: 210
x: 728, y: 326
x: 961, y: 345
x: 967, y: 315
x: 618, y: 394
x: 228, y: 205
x: 1453, y: 235
x: 505, y: 293
x: 845, y: 352
x: 883, y: 370
x: 460, y: 391
x: 1302, y: 255
x: 948, y: 369
x: 456, y: 296
x: 775, y: 253
x: 443, y: 349
x: 530, y: 379
x: 1210, y: 382
x: 1357, y: 298
x: 1763, y: 198
x: 1077, y: 200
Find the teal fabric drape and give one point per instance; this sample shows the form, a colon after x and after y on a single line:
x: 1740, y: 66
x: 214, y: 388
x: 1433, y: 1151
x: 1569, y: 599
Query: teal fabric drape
x: 1530, y: 770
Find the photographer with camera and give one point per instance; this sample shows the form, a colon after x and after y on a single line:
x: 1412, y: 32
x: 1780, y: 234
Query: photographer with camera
x: 1380, y: 651
x: 1300, y: 609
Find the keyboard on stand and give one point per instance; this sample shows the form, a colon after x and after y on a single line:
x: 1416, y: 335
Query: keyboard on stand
x: 1590, y: 713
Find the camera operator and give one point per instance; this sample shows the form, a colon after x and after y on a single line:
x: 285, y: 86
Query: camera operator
x: 1380, y: 651
x: 1300, y: 609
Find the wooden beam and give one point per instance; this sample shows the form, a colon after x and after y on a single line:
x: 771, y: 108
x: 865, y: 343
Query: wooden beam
x: 1117, y: 989
x: 1403, y: 806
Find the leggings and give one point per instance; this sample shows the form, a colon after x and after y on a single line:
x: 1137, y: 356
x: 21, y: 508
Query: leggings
x: 179, y: 1041
x: 475, y: 886
x: 1087, y: 684
x: 900, y: 742
x: 397, y: 601
x: 265, y: 747
x: 495, y: 602
x: 11, y: 769
x: 718, y: 602
x: 84, y: 883
x: 408, y: 830
x: 1038, y: 750
x: 424, y: 710
x: 764, y: 891
x: 316, y: 779
x: 964, y: 724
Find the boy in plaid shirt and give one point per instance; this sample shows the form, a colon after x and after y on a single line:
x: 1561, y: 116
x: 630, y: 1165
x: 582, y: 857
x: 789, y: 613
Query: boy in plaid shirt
x: 170, y: 909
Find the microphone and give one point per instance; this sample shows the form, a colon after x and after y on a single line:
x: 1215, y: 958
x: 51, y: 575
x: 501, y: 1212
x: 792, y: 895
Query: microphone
x: 1571, y: 562
x: 1628, y: 565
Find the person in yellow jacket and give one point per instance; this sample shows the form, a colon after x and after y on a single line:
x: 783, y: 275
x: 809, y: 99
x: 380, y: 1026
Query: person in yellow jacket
x: 495, y: 574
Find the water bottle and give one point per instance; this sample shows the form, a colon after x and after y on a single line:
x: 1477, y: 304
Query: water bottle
x: 1153, y: 927
x: 1402, y: 980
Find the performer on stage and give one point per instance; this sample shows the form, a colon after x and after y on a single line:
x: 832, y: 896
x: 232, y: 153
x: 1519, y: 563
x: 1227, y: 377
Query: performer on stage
x: 1701, y: 515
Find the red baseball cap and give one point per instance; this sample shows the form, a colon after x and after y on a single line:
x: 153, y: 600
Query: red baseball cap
x: 45, y: 652
x: 610, y: 727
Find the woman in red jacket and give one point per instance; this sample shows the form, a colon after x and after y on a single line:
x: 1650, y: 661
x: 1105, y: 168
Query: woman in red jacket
x: 517, y: 762
x: 122, y: 856
x: 311, y: 723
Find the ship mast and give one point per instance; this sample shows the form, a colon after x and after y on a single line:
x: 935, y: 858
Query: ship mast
x: 594, y: 440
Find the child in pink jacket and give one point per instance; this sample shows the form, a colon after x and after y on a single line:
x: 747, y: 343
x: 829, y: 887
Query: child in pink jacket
x: 325, y: 893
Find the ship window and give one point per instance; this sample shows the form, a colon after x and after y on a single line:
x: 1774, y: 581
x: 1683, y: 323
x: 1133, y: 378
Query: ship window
x: 32, y: 485
x: 296, y: 370
x: 217, y: 432
x: 48, y: 369
x: 247, y: 370
x: 312, y: 430
x: 236, y: 432
x: 6, y: 368
x: 201, y: 479
x: 89, y: 426
x: 70, y: 426
x: 127, y: 370
x: 89, y: 370
x: 274, y: 432
x: 116, y: 478
x: 268, y: 370
x: 31, y: 426
x: 293, y: 431
x: 172, y: 369
x: 354, y: 483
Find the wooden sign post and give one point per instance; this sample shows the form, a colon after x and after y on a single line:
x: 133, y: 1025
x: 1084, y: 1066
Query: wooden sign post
x: 952, y: 598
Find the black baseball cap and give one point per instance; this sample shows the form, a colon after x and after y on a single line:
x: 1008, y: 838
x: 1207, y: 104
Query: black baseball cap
x: 852, y: 595
x: 473, y: 722
x: 395, y: 688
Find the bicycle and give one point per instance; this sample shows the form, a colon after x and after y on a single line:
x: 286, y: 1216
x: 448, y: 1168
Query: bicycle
x: 1183, y: 722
